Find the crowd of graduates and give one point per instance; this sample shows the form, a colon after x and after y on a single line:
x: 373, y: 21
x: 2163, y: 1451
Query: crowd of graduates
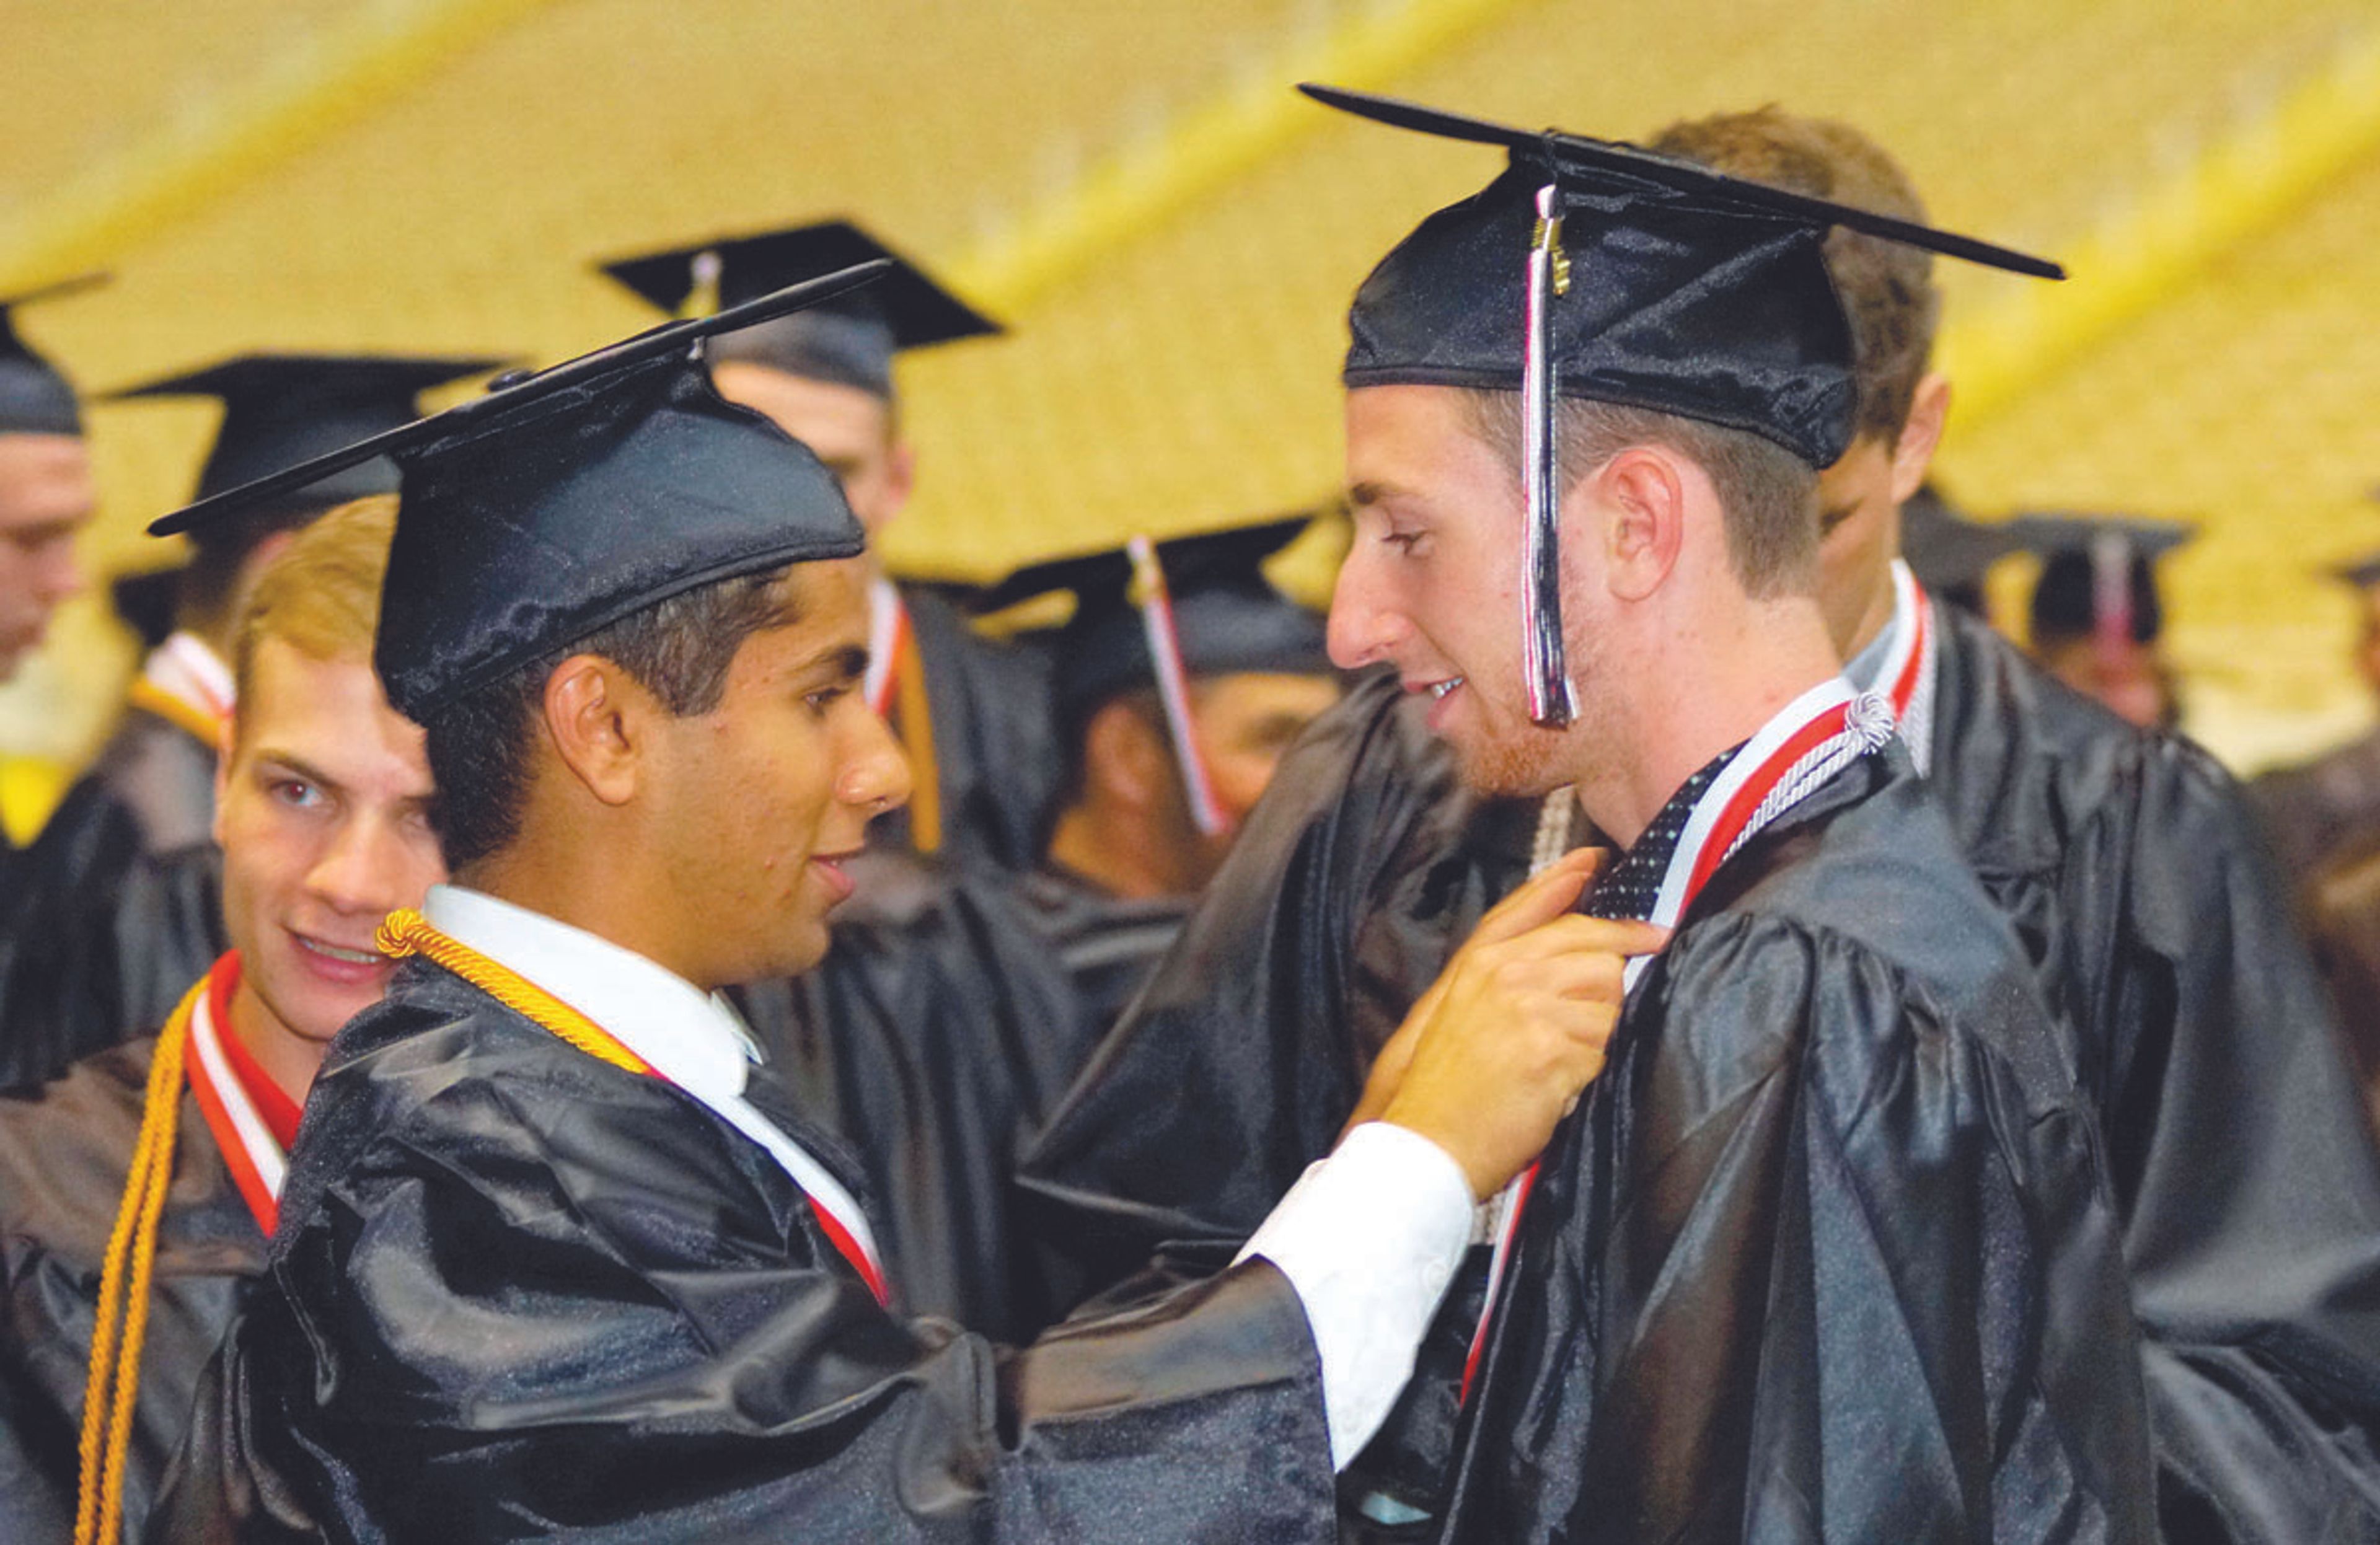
x: 573, y: 1004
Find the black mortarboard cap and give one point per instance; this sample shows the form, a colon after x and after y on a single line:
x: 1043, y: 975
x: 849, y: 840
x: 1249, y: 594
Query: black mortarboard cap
x: 561, y: 502
x: 1156, y: 614
x: 849, y: 341
x: 1948, y: 553
x: 2097, y: 568
x: 2364, y: 573
x: 147, y: 602
x: 1227, y: 615
x: 35, y: 397
x: 280, y: 409
x: 1594, y: 269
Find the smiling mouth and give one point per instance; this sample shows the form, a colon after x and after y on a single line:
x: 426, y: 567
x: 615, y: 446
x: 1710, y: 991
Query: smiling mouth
x: 1440, y: 689
x: 333, y: 952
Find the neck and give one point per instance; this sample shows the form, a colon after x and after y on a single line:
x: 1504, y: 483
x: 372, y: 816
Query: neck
x: 1865, y: 623
x: 1119, y: 856
x: 1707, y: 689
x: 592, y: 886
x: 290, y: 1060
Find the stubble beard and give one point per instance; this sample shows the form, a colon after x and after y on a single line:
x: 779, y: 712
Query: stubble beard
x: 1520, y: 760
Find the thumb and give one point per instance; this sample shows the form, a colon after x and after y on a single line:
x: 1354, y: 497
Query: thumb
x: 1542, y: 897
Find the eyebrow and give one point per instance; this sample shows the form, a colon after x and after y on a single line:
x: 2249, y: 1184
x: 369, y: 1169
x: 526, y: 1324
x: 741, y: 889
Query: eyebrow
x: 1363, y: 493
x: 848, y: 662
x: 299, y: 766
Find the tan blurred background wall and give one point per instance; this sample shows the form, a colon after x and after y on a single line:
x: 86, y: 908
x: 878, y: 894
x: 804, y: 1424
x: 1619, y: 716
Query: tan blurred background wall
x: 1172, y: 237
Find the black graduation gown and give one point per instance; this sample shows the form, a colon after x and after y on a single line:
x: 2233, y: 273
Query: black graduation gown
x: 1355, y: 877
x: 66, y: 1151
x: 995, y: 751
x: 1107, y: 944
x: 934, y: 1039
x: 100, y: 940
x: 519, y: 1293
x: 1827, y: 1253
x: 2317, y: 810
x: 163, y: 775
x: 2239, y: 1151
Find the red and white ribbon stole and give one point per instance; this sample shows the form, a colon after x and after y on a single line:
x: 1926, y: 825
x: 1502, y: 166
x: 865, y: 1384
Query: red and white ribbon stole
x: 252, y: 1154
x: 1907, y: 680
x: 1815, y: 737
x: 888, y: 635
x: 1173, y: 684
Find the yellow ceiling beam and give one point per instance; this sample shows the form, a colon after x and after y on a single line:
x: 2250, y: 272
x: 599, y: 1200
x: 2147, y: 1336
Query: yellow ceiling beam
x: 1372, y: 47
x: 322, y: 80
x: 2241, y: 185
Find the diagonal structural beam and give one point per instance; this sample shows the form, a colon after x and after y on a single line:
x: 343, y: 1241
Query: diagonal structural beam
x: 2243, y: 185
x: 317, y: 85
x: 1204, y: 148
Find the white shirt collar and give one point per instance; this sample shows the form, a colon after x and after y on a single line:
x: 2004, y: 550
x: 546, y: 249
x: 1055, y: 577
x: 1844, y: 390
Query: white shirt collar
x: 689, y: 1037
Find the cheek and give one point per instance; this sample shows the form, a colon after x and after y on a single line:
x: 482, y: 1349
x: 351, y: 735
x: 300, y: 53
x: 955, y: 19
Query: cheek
x: 1240, y: 777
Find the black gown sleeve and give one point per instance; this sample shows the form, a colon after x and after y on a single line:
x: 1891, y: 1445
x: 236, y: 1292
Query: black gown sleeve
x: 561, y: 1301
x: 1817, y: 1260
x: 2244, y: 1164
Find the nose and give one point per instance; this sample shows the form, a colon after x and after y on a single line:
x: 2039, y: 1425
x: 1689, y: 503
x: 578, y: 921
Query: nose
x: 875, y: 776
x: 61, y: 573
x: 1364, y: 628
x: 368, y: 868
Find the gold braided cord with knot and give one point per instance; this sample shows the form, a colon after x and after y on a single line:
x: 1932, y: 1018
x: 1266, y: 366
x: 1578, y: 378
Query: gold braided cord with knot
x: 404, y: 931
x: 121, y: 1323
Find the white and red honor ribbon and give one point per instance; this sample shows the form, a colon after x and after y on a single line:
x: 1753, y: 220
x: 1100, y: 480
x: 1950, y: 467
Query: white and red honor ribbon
x: 1817, y: 736
x: 184, y: 681
x: 888, y: 635
x: 254, y: 1156
x: 839, y: 1214
x: 1908, y: 677
x: 1173, y: 684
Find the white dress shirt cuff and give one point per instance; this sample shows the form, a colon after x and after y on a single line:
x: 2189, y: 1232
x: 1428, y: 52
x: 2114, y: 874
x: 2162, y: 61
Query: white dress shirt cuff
x: 1369, y: 1237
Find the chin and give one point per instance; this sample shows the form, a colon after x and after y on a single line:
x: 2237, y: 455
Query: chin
x: 1513, y: 768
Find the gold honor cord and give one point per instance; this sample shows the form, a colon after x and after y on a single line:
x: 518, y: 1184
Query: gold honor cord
x: 146, y: 694
x: 405, y: 932
x: 918, y: 739
x: 121, y: 1323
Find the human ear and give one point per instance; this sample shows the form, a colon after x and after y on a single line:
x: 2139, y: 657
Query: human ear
x: 1641, y: 494
x: 899, y: 476
x: 1912, y: 453
x: 596, y: 717
x: 1124, y: 758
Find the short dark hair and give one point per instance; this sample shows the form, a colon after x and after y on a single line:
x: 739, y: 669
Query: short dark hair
x: 1887, y: 286
x: 1767, y: 495
x: 679, y: 650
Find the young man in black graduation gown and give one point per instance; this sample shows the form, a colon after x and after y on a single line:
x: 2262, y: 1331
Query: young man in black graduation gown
x: 1752, y: 1294
x: 2242, y: 1162
x: 2123, y: 858
x: 323, y: 827
x: 1177, y: 684
x: 555, y: 1257
x: 111, y: 936
x: 47, y: 495
x: 970, y: 711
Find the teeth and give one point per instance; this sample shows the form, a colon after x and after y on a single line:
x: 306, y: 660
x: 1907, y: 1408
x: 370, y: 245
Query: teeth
x: 1439, y: 689
x: 354, y: 957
